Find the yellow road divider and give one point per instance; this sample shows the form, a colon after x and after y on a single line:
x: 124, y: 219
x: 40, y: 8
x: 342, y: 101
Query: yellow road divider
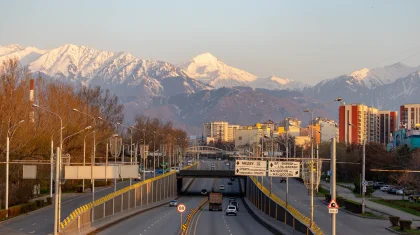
x: 78, y: 211
x: 190, y: 216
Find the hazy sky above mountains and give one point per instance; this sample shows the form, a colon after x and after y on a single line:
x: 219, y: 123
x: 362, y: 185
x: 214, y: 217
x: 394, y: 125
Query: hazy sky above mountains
x: 303, y: 40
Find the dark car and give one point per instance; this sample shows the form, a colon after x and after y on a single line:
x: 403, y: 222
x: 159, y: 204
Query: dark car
x: 282, y: 180
x: 204, y: 191
x: 229, y: 183
x: 378, y: 185
x: 393, y: 190
x: 234, y: 203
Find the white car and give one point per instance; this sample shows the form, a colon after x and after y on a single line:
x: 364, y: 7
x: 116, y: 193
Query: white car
x: 222, y: 187
x: 173, y: 203
x: 400, y: 192
x: 385, y: 188
x: 231, y: 210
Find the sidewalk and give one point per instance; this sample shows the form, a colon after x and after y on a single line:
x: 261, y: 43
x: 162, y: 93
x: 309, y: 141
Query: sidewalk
x: 348, y: 194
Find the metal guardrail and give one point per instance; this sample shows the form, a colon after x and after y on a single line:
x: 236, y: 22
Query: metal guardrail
x: 114, y: 202
x: 290, y: 209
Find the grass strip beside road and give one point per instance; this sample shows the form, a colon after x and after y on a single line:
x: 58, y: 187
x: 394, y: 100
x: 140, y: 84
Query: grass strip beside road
x: 407, y: 231
x: 406, y: 206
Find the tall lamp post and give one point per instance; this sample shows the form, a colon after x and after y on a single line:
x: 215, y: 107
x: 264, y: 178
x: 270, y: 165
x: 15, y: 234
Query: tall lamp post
x: 94, y: 154
x: 312, y: 156
x: 57, y: 171
x: 7, y: 165
x: 131, y: 144
x: 84, y: 157
x: 363, y: 167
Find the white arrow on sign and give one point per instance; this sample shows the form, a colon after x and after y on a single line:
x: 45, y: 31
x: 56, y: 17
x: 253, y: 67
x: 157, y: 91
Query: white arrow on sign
x: 250, y: 167
x: 283, y: 169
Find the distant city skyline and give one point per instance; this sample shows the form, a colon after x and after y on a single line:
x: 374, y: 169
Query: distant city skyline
x: 304, y: 41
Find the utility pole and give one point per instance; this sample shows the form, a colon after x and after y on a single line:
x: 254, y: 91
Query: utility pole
x: 363, y: 175
x: 333, y: 183
x: 287, y: 178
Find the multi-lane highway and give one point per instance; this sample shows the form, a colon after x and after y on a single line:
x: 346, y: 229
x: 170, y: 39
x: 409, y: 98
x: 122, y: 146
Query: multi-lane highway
x: 42, y: 221
x: 166, y: 220
x: 347, y: 224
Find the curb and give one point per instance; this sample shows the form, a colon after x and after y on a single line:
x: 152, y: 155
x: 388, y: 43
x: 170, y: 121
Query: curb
x: 396, y: 232
x: 351, y: 213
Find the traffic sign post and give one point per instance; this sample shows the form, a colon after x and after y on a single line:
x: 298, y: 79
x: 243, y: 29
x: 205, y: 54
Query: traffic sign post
x: 333, y: 207
x: 250, y: 167
x: 181, y: 208
x: 283, y: 169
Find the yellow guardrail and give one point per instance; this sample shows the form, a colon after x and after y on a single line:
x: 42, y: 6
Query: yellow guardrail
x: 306, y: 220
x: 191, y: 215
x: 67, y: 221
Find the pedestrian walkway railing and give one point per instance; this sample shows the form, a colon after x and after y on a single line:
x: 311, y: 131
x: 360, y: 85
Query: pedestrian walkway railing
x: 275, y: 207
x: 138, y: 195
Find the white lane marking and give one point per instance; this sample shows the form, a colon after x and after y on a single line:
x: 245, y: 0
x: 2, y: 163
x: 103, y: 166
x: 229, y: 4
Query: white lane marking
x: 21, y: 229
x: 33, y: 224
x: 32, y: 232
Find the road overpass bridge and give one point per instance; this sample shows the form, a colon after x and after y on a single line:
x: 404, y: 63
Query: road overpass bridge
x: 208, y: 174
x: 208, y: 150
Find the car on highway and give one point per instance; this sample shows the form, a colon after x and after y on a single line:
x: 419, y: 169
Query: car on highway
x: 173, y: 203
x: 227, y: 164
x: 234, y: 203
x: 232, y: 179
x: 232, y: 199
x: 138, y: 178
x: 231, y: 210
x: 204, y: 191
x: 283, y: 180
x: 222, y: 187
x: 385, y: 188
x: 229, y: 183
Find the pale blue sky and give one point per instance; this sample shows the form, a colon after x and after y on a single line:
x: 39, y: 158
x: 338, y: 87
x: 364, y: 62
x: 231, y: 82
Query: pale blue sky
x: 302, y: 40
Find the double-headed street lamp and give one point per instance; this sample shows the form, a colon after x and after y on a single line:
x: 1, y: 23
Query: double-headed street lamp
x: 7, y: 164
x: 57, y: 172
x: 312, y: 155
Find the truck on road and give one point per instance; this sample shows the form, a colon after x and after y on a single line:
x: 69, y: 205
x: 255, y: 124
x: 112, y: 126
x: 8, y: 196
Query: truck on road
x: 215, y: 201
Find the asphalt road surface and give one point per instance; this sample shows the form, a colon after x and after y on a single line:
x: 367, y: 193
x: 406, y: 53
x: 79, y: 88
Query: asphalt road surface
x: 347, y: 224
x: 42, y: 221
x: 166, y: 220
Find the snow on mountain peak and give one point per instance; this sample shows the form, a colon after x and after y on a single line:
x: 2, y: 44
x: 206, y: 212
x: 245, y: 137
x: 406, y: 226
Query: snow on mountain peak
x: 25, y: 55
x: 360, y: 74
x: 209, y: 69
x: 282, y: 81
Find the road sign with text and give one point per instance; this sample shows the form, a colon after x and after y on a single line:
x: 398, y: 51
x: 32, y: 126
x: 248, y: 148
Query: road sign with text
x: 283, y: 169
x: 333, y: 207
x: 250, y: 167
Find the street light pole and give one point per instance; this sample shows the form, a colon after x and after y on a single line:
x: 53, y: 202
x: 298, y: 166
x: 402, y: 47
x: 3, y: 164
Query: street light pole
x: 93, y: 157
x: 7, y: 166
x: 363, y: 175
x: 58, y: 170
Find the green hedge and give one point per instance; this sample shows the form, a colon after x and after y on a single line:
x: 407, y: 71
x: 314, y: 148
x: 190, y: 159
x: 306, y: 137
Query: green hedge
x: 352, y: 206
x: 22, y: 209
x: 3, y: 214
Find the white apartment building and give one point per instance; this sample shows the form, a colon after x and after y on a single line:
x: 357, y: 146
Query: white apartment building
x: 217, y: 131
x: 232, y: 131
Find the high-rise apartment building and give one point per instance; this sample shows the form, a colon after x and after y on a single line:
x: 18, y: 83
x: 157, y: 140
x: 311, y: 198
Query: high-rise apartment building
x: 358, y: 122
x: 232, y: 132
x: 410, y: 115
x: 217, y: 131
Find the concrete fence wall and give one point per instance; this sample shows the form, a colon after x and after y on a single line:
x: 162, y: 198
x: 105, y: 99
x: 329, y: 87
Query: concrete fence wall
x: 276, y: 208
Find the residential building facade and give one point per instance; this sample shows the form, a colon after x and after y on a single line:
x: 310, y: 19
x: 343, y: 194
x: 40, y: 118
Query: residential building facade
x: 232, y: 131
x: 358, y: 123
x: 410, y: 115
x: 329, y: 130
x: 217, y: 131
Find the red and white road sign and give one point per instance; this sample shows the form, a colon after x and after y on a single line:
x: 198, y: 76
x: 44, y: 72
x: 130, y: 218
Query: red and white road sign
x: 333, y: 204
x: 181, y: 208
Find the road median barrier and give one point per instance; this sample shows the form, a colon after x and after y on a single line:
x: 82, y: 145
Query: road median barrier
x: 190, y: 216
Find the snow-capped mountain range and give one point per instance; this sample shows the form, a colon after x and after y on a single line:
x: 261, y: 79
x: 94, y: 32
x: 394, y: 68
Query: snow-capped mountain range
x: 135, y: 79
